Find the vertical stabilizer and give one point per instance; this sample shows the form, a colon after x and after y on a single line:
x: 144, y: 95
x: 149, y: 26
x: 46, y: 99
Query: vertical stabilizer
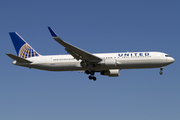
x: 23, y: 49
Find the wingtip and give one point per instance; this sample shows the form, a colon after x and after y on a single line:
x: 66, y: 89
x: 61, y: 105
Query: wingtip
x: 52, y: 32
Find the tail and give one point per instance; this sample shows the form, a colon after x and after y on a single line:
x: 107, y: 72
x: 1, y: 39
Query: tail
x: 23, y: 49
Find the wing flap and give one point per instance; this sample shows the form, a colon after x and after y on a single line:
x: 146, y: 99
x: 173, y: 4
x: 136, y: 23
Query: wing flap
x: 76, y: 52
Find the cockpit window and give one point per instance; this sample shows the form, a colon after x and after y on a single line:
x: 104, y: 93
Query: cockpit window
x: 167, y: 56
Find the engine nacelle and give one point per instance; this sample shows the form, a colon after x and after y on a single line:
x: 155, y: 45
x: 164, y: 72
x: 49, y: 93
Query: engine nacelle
x: 111, y: 72
x: 108, y: 62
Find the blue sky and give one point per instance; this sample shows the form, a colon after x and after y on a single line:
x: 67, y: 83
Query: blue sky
x: 95, y: 26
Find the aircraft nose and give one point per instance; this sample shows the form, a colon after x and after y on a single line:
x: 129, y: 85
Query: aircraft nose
x: 171, y: 60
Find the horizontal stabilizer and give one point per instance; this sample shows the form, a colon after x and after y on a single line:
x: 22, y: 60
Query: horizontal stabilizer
x: 18, y: 59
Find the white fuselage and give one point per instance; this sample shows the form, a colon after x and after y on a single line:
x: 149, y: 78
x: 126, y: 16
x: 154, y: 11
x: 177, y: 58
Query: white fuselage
x: 126, y: 60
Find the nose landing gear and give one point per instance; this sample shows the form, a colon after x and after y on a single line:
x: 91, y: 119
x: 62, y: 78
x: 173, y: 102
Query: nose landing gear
x: 161, y: 71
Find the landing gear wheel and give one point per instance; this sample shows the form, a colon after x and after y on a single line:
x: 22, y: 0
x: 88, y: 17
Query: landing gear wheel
x: 87, y: 72
x: 92, y: 73
x: 94, y: 78
x: 160, y: 72
x: 90, y: 77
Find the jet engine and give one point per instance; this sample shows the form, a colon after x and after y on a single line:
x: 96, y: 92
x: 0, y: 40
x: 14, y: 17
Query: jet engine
x: 108, y: 62
x: 111, y: 72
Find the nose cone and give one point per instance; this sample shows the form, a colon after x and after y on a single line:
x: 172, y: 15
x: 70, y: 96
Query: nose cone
x: 170, y: 60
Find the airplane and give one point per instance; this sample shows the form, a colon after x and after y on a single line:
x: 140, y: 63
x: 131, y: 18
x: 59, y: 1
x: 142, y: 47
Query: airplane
x: 107, y: 64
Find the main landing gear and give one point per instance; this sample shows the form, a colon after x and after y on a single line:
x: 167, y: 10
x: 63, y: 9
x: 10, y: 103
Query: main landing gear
x: 161, y: 71
x: 91, y: 76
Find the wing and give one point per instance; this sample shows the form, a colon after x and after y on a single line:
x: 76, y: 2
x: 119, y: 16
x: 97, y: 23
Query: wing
x: 76, y: 52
